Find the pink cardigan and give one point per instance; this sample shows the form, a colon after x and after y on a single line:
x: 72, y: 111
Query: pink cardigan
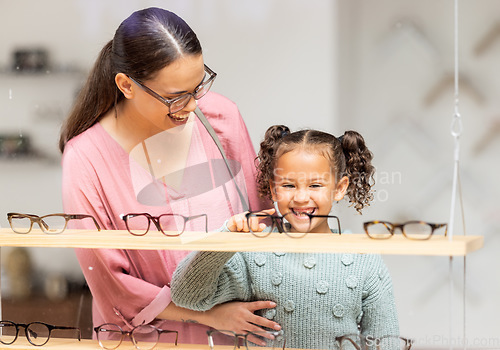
x: 130, y: 287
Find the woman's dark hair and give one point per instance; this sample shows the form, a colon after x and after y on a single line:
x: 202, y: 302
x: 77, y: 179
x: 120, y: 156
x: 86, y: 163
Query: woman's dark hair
x: 144, y: 43
x: 348, y: 156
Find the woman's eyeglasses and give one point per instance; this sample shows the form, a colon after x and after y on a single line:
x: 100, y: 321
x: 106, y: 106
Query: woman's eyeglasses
x: 416, y: 230
x: 177, y: 104
x: 144, y: 337
x: 361, y: 342
x: 37, y: 333
x: 52, y: 223
x: 301, y: 224
x: 169, y: 224
x: 223, y: 340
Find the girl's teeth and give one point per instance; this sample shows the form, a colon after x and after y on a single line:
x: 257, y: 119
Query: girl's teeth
x: 303, y: 212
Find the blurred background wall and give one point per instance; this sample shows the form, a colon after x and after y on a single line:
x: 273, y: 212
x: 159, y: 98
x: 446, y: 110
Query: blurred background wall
x: 379, y: 67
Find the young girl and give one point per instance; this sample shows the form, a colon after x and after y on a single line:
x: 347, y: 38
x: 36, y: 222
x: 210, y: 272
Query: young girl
x: 319, y: 296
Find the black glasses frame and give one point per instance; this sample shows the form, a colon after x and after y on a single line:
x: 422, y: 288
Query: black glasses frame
x: 29, y: 333
x: 130, y: 334
x: 156, y: 222
x: 391, y: 227
x: 370, y: 342
x: 245, y: 336
x: 43, y: 225
x: 277, y: 222
x: 169, y: 102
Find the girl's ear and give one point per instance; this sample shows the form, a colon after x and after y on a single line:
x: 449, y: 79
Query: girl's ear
x: 341, y: 188
x: 125, y: 85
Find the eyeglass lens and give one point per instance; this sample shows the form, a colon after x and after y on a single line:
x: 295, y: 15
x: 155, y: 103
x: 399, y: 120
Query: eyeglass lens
x: 38, y: 333
x: 109, y: 336
x: 225, y: 340
x: 181, y: 102
x: 21, y: 223
x: 8, y: 332
x: 145, y: 337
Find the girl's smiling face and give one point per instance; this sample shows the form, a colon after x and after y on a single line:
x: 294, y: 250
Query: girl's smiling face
x: 304, y: 182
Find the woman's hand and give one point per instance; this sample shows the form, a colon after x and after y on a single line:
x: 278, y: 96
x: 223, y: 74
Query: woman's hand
x: 240, y: 317
x: 239, y: 222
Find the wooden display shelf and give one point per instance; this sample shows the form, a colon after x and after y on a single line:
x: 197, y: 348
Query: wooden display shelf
x: 231, y: 241
x: 89, y: 344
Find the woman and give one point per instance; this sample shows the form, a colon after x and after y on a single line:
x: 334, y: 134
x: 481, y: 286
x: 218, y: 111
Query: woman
x: 132, y: 144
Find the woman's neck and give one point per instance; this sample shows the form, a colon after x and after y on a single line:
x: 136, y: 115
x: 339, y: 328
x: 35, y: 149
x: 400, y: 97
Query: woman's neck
x: 125, y: 128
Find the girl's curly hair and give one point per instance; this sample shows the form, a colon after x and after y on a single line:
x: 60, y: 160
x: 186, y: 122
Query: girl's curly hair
x: 348, y: 156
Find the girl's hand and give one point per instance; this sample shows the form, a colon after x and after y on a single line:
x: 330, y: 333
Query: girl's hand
x: 239, y: 222
x: 239, y: 317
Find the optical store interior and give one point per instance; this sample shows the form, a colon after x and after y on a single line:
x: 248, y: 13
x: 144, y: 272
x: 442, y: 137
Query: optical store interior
x: 417, y: 78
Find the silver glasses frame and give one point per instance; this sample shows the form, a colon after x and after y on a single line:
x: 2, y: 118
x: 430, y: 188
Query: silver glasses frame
x: 245, y: 336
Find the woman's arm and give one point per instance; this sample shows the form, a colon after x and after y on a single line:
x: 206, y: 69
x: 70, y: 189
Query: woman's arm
x: 235, y: 316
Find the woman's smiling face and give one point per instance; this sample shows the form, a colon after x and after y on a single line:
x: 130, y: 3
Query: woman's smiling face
x: 181, y: 76
x: 304, y: 182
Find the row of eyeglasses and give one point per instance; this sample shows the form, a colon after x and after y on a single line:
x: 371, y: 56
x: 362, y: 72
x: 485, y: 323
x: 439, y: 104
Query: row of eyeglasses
x: 145, y: 337
x: 228, y: 340
x: 138, y: 224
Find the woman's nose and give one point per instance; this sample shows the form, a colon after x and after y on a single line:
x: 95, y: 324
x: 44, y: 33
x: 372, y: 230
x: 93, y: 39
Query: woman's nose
x: 191, y: 106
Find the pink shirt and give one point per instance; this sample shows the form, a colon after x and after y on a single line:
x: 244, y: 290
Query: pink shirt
x: 130, y: 287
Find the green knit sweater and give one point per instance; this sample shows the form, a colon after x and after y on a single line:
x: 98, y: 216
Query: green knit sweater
x: 318, y: 296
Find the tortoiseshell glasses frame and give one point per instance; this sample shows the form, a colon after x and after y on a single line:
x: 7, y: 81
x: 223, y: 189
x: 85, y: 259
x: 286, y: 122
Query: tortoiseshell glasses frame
x: 415, y: 230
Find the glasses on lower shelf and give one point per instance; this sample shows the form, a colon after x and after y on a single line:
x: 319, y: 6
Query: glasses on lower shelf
x: 169, y: 224
x: 144, y: 337
x: 302, y: 224
x: 416, y: 230
x: 361, y: 342
x: 51, y: 223
x: 225, y: 340
x: 37, y: 333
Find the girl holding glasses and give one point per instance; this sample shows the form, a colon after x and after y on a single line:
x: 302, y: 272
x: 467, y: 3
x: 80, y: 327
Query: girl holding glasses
x: 319, y: 296
x: 132, y: 144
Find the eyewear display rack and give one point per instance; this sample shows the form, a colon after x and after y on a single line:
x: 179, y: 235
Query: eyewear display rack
x: 228, y: 241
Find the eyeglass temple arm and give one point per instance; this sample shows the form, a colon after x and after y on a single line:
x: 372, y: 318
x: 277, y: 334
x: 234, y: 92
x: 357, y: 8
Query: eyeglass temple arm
x: 84, y: 216
x: 436, y: 226
x: 311, y: 216
x: 340, y: 339
x: 70, y: 328
x: 167, y: 331
x: 199, y: 216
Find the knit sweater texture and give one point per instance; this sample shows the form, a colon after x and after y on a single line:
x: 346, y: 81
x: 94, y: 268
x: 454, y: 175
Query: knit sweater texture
x: 319, y: 296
